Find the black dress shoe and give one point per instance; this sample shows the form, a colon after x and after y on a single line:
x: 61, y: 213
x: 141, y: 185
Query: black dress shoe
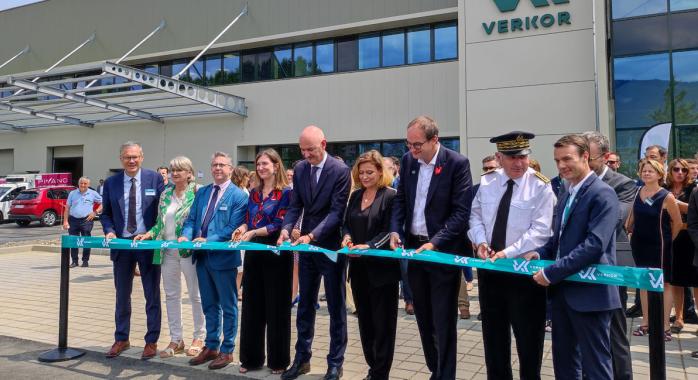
x: 85, y: 264
x: 333, y: 373
x: 694, y: 354
x: 73, y: 265
x: 296, y: 369
x: 634, y: 312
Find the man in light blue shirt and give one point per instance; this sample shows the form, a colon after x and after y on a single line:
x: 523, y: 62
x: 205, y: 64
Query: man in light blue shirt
x: 79, y: 215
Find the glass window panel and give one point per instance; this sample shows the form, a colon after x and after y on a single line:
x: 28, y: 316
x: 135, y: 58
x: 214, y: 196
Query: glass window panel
x: 452, y: 143
x: 680, y: 5
x: 687, y: 141
x: 393, y: 48
x: 347, y: 151
x: 264, y: 65
x: 231, y: 68
x: 683, y: 30
x: 196, y: 72
x: 686, y: 88
x: 120, y: 80
x: 282, y: 64
x: 213, y: 69
x: 627, y: 145
x: 419, y: 44
x: 393, y: 149
x: 324, y: 57
x: 365, y: 147
x: 303, y: 58
x: 640, y: 36
x: 347, y: 54
x: 165, y: 69
x: 445, y: 41
x: 369, y: 51
x: 248, y: 67
x: 629, y: 8
x: 641, y: 88
x: 177, y: 66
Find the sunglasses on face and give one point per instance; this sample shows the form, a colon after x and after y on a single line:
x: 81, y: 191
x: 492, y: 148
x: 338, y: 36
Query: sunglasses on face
x: 682, y: 170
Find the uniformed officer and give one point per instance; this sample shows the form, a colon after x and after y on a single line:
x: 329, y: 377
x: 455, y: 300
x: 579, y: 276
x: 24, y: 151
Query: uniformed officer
x: 512, y: 214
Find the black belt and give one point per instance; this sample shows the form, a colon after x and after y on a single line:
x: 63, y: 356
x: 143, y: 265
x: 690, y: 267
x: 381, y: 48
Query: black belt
x: 419, y: 238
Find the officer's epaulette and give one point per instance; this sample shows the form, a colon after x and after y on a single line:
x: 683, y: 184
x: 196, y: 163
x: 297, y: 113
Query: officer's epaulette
x: 542, y: 178
x: 489, y: 172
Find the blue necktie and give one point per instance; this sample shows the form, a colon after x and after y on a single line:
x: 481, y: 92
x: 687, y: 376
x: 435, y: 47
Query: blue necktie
x: 313, y: 178
x: 209, y: 211
x: 566, y: 211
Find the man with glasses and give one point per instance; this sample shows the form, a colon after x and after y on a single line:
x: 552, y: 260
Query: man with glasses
x: 321, y: 188
x: 613, y: 161
x: 599, y: 151
x: 218, y: 209
x: 436, y: 179
x: 129, y: 207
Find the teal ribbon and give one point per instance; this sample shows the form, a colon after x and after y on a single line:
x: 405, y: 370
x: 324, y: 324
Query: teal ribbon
x: 651, y: 279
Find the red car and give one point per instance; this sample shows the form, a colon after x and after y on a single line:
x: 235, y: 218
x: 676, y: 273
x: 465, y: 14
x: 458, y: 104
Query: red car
x: 45, y: 205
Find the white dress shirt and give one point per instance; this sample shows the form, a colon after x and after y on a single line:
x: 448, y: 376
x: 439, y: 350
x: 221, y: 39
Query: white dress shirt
x: 426, y: 170
x: 140, y: 225
x: 319, y: 167
x: 223, y: 188
x: 530, y: 221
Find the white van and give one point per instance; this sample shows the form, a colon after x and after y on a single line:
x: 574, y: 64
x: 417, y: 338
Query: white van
x: 8, y: 192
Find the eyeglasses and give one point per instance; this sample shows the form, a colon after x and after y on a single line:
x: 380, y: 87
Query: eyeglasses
x: 611, y: 162
x: 677, y: 169
x: 130, y: 158
x: 219, y: 165
x: 488, y: 168
x: 417, y: 145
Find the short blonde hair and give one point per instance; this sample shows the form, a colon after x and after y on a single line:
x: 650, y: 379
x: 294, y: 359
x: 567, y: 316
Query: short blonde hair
x: 375, y: 158
x: 182, y: 163
x: 656, y: 165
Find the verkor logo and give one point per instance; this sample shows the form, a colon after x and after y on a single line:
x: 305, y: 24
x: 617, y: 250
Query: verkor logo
x: 510, y: 5
x: 520, y: 24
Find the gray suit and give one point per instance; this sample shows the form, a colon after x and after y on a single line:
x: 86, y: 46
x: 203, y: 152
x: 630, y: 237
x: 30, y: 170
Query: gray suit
x: 625, y: 189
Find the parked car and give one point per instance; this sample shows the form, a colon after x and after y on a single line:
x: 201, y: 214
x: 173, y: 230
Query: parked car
x: 45, y: 205
x: 8, y: 192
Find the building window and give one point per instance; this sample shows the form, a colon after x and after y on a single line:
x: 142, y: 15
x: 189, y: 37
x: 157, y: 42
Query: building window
x: 196, y: 72
x: 303, y: 57
x: 231, y: 68
x: 347, y: 54
x: 282, y: 62
x: 264, y: 65
x: 446, y: 41
x: 177, y: 66
x: 631, y: 8
x: 393, y: 53
x: 249, y: 65
x: 369, y: 51
x: 214, y: 73
x: 324, y: 57
x: 419, y: 44
x: 682, y: 5
x: 685, y: 65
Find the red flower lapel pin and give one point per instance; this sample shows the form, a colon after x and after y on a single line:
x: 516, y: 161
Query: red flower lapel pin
x: 437, y: 170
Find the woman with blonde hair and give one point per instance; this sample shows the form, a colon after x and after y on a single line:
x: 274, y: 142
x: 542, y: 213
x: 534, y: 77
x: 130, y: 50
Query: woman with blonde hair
x: 268, y: 275
x: 374, y: 281
x: 653, y: 223
x: 173, y: 210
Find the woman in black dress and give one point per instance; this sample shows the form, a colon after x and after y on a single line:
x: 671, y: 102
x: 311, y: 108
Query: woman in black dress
x: 683, y: 273
x: 653, y: 223
x: 374, y: 281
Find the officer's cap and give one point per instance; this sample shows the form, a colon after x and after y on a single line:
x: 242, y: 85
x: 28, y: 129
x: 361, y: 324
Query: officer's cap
x: 514, y: 143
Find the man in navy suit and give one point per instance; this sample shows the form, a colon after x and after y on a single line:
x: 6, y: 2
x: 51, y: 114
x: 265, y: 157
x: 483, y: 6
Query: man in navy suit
x: 584, y: 234
x: 218, y: 209
x: 129, y: 208
x: 430, y: 212
x: 320, y: 191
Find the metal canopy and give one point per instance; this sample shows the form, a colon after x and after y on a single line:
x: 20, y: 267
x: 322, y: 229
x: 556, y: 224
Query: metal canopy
x: 134, y: 95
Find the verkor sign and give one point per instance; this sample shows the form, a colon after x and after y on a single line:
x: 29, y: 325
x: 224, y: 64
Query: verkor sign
x: 520, y: 24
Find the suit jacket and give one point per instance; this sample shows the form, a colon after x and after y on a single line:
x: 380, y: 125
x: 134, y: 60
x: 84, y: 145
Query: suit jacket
x: 229, y: 214
x: 112, y: 217
x: 323, y: 209
x: 625, y: 191
x: 447, y: 209
x: 377, y: 271
x: 587, y: 238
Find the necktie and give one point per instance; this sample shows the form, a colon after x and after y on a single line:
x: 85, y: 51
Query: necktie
x: 209, y: 211
x: 313, y: 178
x: 131, y: 224
x: 566, y: 211
x: 499, y: 233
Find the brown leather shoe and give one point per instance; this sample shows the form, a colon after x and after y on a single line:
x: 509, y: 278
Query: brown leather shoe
x: 205, y: 355
x: 409, y: 309
x: 221, y: 361
x: 117, y: 348
x: 464, y: 313
x: 149, y: 351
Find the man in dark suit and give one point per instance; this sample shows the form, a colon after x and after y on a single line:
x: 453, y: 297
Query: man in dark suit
x: 584, y: 234
x: 129, y: 208
x: 436, y: 179
x: 320, y: 191
x: 625, y: 189
x: 217, y: 210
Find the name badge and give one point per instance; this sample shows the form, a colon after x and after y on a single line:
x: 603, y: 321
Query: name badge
x: 224, y: 208
x: 150, y: 192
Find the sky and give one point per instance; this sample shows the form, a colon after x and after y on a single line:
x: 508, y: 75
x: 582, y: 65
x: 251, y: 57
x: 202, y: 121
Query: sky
x: 7, y: 4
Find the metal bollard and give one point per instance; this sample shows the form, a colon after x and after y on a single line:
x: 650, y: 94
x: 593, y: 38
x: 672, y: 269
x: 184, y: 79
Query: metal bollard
x: 62, y: 352
x: 655, y: 305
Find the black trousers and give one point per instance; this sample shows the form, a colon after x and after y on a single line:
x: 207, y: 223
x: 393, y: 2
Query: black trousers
x: 377, y: 309
x: 435, y: 292
x: 511, y: 301
x: 620, y: 347
x: 80, y: 227
x: 266, y: 307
